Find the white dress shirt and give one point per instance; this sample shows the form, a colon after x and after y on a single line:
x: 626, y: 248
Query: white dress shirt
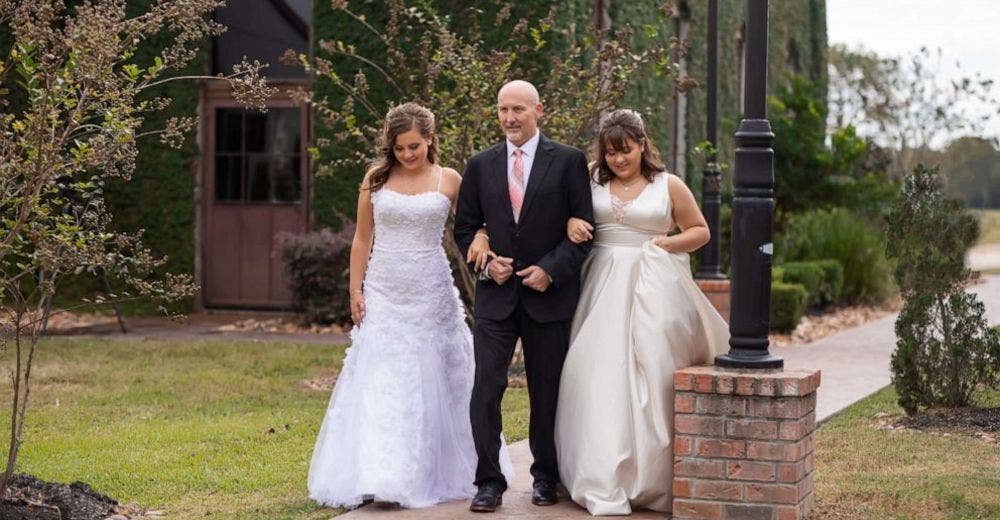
x: 528, y: 150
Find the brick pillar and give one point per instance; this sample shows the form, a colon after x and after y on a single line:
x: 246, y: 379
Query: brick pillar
x: 743, y: 444
x: 717, y: 292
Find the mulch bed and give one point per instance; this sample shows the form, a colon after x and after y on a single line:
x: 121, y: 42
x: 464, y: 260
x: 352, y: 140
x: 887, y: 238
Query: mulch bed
x: 983, y: 423
x: 34, y: 499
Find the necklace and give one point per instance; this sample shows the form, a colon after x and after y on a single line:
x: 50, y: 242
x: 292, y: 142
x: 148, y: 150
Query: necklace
x: 627, y: 185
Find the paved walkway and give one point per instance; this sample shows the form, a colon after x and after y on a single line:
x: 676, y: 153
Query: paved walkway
x: 854, y: 363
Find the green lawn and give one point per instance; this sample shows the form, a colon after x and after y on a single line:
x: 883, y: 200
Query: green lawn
x: 186, y: 426
x: 864, y: 472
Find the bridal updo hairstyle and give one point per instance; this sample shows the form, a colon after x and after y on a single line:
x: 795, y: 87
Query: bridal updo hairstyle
x: 399, y: 120
x: 614, y: 129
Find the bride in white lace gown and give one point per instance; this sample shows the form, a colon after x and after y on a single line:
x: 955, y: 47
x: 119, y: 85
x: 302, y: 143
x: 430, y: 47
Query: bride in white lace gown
x: 640, y: 318
x: 397, y: 427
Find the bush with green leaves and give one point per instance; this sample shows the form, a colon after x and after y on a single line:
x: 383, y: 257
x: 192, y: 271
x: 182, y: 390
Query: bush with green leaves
x: 945, y: 350
x: 833, y: 281
x: 841, y: 235
x: 808, y: 275
x: 316, y: 265
x: 788, y: 304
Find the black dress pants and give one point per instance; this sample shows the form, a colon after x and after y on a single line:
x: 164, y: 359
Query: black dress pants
x: 544, y: 346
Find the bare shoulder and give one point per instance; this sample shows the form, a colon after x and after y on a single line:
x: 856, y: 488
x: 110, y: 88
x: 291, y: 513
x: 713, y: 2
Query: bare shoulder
x: 675, y: 184
x: 450, y: 181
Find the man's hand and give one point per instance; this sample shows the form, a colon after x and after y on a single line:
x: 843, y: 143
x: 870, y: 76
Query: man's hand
x: 501, y: 269
x: 535, y: 278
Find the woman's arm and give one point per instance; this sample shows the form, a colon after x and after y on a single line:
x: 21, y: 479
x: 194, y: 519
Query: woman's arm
x: 361, y: 248
x: 694, y: 231
x: 479, y: 250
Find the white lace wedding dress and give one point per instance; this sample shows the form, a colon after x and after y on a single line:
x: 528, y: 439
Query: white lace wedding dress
x: 397, y: 427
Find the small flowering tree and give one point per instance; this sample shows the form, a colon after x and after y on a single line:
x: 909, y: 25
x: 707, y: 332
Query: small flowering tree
x: 75, y: 102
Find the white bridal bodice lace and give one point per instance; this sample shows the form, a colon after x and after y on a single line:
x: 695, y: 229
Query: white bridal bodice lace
x: 397, y: 426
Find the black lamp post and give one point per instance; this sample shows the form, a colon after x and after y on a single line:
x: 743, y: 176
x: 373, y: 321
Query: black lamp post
x: 711, y: 179
x: 753, y: 211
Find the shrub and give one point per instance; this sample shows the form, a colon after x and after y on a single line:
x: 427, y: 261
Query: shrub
x: 788, y: 303
x: 807, y: 274
x: 842, y: 236
x: 317, y: 265
x: 833, y: 281
x: 944, y: 348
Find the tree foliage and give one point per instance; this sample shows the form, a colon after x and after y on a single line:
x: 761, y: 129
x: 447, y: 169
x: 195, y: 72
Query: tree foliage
x: 422, y: 57
x: 904, y: 104
x: 83, y: 98
x: 945, y: 349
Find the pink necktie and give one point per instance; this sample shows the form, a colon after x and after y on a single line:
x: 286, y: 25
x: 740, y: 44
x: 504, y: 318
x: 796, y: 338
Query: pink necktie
x: 516, y: 188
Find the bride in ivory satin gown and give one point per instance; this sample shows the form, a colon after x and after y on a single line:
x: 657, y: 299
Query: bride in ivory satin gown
x: 640, y: 318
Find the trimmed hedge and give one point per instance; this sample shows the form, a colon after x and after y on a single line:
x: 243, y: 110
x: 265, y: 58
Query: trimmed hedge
x: 788, y: 304
x: 833, y: 281
x: 807, y: 274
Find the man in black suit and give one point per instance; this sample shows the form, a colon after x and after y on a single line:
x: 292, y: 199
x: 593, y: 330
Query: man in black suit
x: 523, y: 190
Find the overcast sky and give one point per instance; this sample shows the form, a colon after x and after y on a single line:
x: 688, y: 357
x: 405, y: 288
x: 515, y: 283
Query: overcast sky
x: 965, y: 30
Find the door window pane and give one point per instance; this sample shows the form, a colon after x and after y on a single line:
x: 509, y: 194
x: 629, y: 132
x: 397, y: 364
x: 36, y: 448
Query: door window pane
x: 257, y: 155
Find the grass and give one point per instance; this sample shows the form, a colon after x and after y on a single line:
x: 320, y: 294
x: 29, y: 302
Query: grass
x: 199, y: 429
x: 989, y: 226
x: 187, y: 427
x: 866, y: 472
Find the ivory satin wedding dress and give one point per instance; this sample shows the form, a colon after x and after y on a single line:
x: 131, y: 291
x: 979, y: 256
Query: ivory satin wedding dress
x: 640, y: 318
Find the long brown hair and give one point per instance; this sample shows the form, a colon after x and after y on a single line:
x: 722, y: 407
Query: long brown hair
x: 614, y: 129
x: 399, y: 120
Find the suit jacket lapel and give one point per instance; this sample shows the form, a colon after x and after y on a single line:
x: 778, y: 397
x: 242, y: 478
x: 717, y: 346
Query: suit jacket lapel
x: 539, y: 168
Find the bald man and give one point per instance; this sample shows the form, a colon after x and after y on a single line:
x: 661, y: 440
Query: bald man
x: 523, y: 190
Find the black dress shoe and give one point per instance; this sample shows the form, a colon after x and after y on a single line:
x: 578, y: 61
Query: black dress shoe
x: 543, y: 493
x: 487, y: 499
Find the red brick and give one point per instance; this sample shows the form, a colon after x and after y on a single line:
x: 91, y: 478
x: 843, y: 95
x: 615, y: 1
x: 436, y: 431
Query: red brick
x: 684, y: 403
x: 748, y: 512
x: 797, y: 429
x: 700, y: 425
x: 721, y: 405
x: 717, y: 490
x: 704, y: 383
x: 725, y: 384
x: 749, y: 470
x: 772, y: 493
x: 789, y: 513
x: 696, y: 509
x: 777, y: 451
x: 744, y: 385
x: 683, y: 444
x: 698, y: 467
x: 776, y: 407
x: 722, y: 448
x: 807, y: 463
x: 767, y: 386
x: 683, y: 381
x: 791, y: 472
x: 682, y: 488
x: 752, y: 429
x: 805, y: 487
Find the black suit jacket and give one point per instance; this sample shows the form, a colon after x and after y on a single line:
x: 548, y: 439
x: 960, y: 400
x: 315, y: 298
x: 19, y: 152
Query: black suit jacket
x: 558, y: 188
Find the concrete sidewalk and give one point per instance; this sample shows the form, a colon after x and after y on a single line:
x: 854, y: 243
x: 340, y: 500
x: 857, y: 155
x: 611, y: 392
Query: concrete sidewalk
x: 854, y: 363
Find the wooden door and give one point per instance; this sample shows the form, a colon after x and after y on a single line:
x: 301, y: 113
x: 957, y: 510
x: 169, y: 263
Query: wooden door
x: 255, y: 188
